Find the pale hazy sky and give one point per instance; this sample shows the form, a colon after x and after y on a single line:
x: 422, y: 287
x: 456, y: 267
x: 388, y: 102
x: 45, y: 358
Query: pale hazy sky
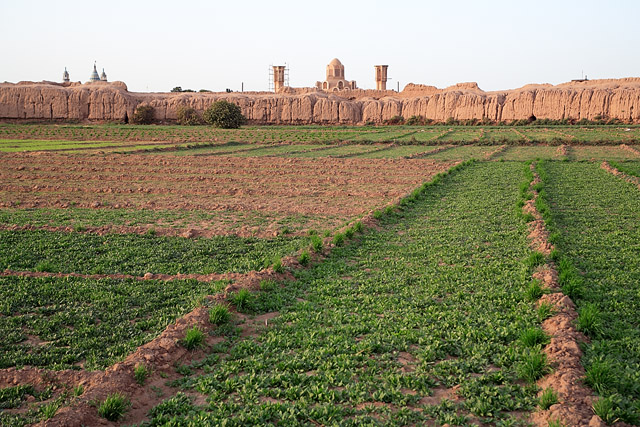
x: 156, y: 45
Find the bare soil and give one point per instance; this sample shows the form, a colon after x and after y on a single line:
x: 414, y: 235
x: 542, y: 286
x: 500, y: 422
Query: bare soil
x: 343, y: 188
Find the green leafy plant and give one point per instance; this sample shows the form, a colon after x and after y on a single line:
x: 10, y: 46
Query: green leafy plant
x: 534, y: 290
x: 604, y: 408
x: 141, y: 372
x: 193, y: 338
x: 268, y: 285
x: 49, y: 410
x: 548, y: 397
x: 277, y: 265
x: 533, y: 337
x: 338, y: 239
x: 600, y: 376
x: 316, y: 243
x: 114, y: 406
x: 589, y: 319
x: 219, y: 313
x: 304, y: 258
x: 532, y: 366
x: 242, y: 300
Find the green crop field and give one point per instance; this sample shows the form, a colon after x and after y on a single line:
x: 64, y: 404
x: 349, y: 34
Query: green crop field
x: 348, y: 275
x: 598, y: 219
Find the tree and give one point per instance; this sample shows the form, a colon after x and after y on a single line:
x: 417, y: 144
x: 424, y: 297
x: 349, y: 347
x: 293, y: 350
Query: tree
x: 177, y: 89
x: 188, y: 116
x: 224, y: 114
x: 143, y: 115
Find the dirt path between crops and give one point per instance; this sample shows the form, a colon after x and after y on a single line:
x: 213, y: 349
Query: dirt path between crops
x: 563, y: 351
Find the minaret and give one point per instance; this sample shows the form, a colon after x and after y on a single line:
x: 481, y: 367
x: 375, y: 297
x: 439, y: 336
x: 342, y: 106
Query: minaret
x: 94, y: 76
x: 103, y: 76
x: 278, y: 77
x: 65, y: 75
x: 381, y: 77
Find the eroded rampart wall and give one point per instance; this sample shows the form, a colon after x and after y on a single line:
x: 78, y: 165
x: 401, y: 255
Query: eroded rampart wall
x: 111, y: 102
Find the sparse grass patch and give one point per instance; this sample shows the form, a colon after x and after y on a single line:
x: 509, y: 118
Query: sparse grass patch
x: 533, y: 337
x: 534, y: 290
x: 193, y: 338
x: 242, y: 300
x: 141, y: 372
x: 316, y: 243
x: 589, y: 319
x: 114, y: 406
x: 605, y: 409
x: 268, y: 285
x: 304, y: 258
x: 532, y: 366
x: 548, y: 397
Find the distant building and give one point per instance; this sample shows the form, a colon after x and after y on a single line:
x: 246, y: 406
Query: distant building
x: 94, y: 76
x: 65, y: 75
x: 381, y: 77
x: 335, y: 78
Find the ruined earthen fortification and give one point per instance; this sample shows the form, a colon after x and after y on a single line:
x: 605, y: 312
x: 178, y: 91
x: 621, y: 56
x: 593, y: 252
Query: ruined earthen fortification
x: 105, y: 101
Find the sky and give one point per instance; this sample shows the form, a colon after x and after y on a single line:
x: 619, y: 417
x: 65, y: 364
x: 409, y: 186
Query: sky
x: 154, y: 46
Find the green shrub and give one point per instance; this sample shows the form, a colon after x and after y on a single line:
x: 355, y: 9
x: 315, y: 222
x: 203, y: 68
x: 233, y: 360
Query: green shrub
x: 45, y: 267
x: 188, y: 116
x: 219, y: 314
x: 416, y: 121
x: 143, y: 115
x: 304, y: 258
x: 395, y: 120
x: 338, y: 239
x: 193, y: 338
x: 114, y: 406
x: 357, y: 227
x: 225, y: 115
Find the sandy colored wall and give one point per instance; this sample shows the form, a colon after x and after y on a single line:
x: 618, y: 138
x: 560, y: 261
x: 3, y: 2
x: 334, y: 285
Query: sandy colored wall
x: 111, y: 101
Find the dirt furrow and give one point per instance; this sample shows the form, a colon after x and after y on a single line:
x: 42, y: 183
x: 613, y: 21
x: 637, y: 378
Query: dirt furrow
x: 563, y: 352
x: 614, y: 171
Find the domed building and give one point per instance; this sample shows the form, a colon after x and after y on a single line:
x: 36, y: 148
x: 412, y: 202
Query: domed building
x: 335, y: 80
x: 94, y: 76
x: 65, y: 75
x: 103, y: 76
